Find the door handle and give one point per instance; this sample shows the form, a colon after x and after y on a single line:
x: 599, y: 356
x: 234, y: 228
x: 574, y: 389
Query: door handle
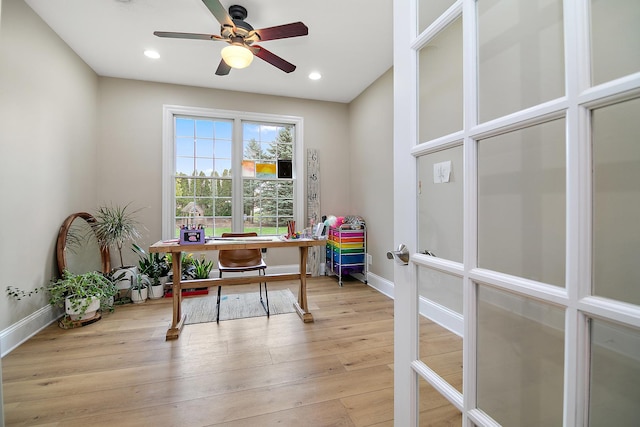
x: 401, y: 256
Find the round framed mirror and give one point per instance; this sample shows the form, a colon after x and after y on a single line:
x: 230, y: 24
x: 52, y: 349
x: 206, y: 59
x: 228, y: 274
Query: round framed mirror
x: 78, y: 249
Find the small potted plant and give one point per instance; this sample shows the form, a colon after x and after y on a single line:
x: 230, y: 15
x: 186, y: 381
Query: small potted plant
x: 202, y: 268
x: 82, y: 295
x: 187, y: 262
x: 139, y: 288
x: 154, y: 266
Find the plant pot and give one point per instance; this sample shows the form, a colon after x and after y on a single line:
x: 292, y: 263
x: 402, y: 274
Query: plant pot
x: 139, y: 295
x: 164, y: 280
x: 124, y: 284
x: 156, y: 291
x: 74, y: 312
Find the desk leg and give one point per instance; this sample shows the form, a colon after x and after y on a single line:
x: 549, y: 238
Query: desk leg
x: 177, y: 321
x: 301, y: 305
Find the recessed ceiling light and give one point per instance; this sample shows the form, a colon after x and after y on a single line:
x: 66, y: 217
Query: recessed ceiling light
x: 315, y: 76
x: 151, y: 54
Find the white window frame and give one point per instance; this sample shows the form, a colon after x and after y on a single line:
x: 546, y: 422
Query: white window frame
x: 168, y: 158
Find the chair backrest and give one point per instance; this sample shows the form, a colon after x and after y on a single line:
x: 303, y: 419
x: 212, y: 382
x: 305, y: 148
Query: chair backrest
x: 236, y: 258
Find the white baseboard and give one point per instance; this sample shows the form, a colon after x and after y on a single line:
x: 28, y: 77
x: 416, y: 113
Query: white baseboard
x: 441, y: 315
x: 24, y: 329
x: 380, y: 284
x: 435, y: 312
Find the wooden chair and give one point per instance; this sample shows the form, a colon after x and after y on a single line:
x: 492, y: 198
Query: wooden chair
x: 237, y: 260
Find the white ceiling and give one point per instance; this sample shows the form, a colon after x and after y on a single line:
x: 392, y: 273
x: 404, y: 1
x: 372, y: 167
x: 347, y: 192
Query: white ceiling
x: 349, y: 43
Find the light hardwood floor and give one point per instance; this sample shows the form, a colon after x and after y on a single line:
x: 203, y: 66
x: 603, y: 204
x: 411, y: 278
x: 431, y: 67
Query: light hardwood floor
x: 120, y: 371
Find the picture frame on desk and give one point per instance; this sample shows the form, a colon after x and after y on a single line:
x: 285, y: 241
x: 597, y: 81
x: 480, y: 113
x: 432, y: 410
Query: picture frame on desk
x: 192, y: 237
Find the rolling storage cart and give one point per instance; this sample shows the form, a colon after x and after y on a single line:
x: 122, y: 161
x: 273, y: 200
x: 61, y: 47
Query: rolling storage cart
x: 346, y: 253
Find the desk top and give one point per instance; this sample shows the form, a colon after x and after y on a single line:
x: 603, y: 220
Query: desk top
x: 234, y: 243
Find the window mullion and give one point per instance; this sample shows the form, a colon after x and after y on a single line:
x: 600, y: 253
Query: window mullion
x: 237, y: 181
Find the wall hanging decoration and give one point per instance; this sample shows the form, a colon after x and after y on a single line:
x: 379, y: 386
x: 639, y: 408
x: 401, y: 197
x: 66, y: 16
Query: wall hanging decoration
x: 314, y: 260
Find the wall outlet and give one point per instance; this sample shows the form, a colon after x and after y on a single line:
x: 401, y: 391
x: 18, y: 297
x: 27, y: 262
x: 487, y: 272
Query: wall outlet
x: 369, y: 259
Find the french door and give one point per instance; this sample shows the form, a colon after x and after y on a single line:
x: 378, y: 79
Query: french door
x: 516, y: 180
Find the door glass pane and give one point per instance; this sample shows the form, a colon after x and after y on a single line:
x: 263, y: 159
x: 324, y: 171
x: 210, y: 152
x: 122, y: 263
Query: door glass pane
x: 443, y: 289
x: 521, y: 55
x: 429, y: 10
x: 435, y: 410
x: 520, y: 359
x: 616, y: 201
x: 615, y: 39
x: 615, y: 375
x: 439, y: 348
x: 440, y: 203
x: 440, y: 84
x: 521, y: 203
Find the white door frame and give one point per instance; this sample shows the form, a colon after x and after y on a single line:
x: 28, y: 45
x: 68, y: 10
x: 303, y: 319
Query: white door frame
x: 404, y: 173
x: 575, y: 298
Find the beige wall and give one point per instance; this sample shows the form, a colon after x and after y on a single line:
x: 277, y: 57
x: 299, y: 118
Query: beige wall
x: 70, y: 141
x: 48, y: 101
x: 130, y: 144
x: 371, y: 169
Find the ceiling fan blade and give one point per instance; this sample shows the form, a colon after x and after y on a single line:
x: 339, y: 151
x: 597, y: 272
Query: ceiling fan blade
x: 194, y: 36
x: 223, y: 68
x: 295, y: 29
x: 218, y: 10
x: 272, y: 59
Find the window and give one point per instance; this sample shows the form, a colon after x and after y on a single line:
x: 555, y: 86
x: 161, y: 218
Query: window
x: 230, y: 171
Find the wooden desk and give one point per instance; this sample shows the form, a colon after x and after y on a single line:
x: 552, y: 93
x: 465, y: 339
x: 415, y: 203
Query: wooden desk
x: 235, y: 243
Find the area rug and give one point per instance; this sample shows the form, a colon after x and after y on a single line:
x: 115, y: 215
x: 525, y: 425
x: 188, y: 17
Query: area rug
x: 236, y: 306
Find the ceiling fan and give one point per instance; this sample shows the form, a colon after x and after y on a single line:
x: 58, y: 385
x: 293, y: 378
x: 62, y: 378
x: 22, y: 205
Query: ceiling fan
x: 241, y: 38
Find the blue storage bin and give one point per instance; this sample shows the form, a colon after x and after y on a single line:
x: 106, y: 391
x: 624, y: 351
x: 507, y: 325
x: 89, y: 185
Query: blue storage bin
x: 348, y: 258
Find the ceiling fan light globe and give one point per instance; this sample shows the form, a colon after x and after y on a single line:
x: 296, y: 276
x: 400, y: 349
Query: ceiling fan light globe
x: 237, y: 56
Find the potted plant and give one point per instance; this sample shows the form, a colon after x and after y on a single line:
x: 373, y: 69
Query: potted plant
x: 155, y: 267
x: 116, y: 225
x: 82, y: 295
x: 139, y: 288
x: 121, y: 279
x: 202, y: 268
x: 186, y: 262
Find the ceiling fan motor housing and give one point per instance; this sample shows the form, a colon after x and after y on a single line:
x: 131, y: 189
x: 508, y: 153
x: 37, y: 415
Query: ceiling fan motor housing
x: 238, y: 12
x: 243, y: 29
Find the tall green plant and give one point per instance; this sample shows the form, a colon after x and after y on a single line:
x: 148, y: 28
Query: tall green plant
x: 115, y: 225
